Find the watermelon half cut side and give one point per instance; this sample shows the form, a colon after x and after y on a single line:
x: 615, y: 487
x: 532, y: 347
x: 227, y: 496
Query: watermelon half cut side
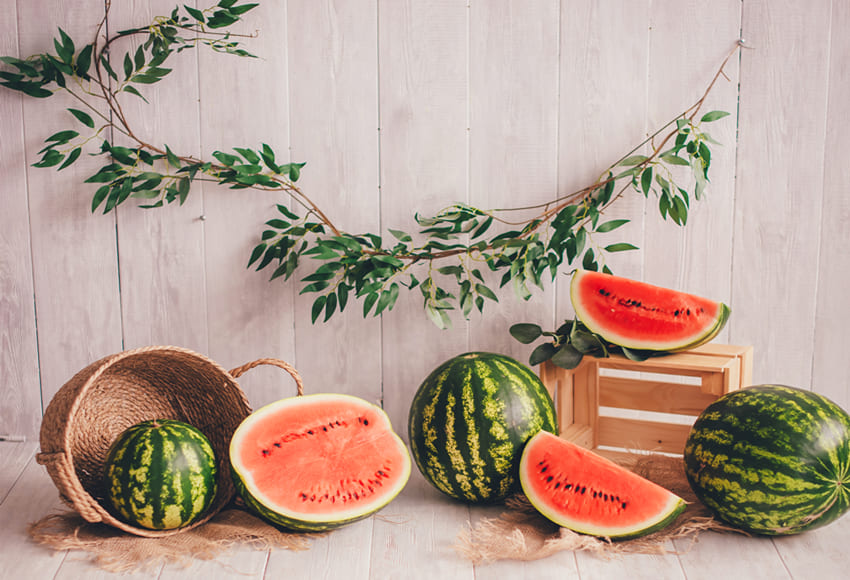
x: 317, y: 462
x: 589, y: 494
x: 641, y: 316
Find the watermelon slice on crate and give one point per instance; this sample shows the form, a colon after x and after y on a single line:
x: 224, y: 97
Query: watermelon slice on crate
x: 641, y: 316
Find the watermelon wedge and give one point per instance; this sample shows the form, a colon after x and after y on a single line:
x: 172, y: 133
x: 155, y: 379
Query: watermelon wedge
x: 318, y: 462
x: 589, y: 494
x: 641, y: 316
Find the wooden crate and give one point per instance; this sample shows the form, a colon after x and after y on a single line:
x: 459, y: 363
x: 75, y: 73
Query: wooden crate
x: 580, y: 393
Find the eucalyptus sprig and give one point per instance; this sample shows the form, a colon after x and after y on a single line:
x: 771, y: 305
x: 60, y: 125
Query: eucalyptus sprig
x: 450, y: 258
x: 570, y: 343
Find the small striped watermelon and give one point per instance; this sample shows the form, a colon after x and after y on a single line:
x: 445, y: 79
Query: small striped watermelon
x: 470, y: 420
x: 161, y: 474
x: 771, y: 459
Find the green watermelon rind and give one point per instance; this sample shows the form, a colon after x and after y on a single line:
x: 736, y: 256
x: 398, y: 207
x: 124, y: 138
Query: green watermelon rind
x: 595, y: 326
x: 130, y: 480
x: 664, y: 518
x: 771, y: 460
x: 322, y: 523
x: 467, y: 427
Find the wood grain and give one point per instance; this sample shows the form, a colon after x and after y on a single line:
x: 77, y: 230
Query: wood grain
x: 74, y: 253
x: 779, y: 189
x: 20, y: 401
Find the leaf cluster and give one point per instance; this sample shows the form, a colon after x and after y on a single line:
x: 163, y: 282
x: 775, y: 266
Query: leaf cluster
x: 570, y: 343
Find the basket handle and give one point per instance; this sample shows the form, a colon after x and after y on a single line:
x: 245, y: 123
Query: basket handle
x: 238, y: 371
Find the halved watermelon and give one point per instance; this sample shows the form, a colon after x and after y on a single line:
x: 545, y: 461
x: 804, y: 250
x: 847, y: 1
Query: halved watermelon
x: 317, y: 462
x: 641, y: 316
x: 587, y: 493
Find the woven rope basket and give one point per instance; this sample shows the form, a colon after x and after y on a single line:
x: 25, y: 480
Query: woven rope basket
x: 108, y: 396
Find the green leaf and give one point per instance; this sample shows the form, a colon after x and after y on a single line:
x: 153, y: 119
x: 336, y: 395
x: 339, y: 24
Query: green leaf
x: 65, y: 50
x: 713, y: 116
x: 84, y: 61
x: 673, y: 159
x: 62, y: 137
x: 646, y: 180
x: 173, y: 160
x: 51, y: 157
x: 636, y: 355
x: 139, y: 58
x: 633, y: 160
x: 400, y: 235
x: 183, y: 186
x: 132, y: 90
x: 195, y: 13
x: 72, y: 156
x: 258, y: 251
x: 525, y: 332
x: 226, y: 158
x: 542, y: 353
x: 330, y: 306
x: 220, y: 19
x: 318, y: 306
x: 567, y: 357
x: 486, y: 292
x: 295, y: 171
x: 99, y: 196
x: 238, y: 10
x: 611, y: 225
x: 128, y: 66
x: 83, y: 118
x: 620, y: 247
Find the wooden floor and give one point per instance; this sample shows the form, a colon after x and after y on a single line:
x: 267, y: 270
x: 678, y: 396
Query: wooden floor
x: 411, y: 538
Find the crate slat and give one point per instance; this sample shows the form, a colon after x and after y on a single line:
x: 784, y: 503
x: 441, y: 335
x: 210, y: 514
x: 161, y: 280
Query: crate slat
x: 580, y: 392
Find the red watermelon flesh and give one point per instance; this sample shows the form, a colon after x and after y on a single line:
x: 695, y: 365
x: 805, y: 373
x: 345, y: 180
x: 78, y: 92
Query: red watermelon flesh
x: 589, y: 494
x: 317, y: 462
x: 641, y: 316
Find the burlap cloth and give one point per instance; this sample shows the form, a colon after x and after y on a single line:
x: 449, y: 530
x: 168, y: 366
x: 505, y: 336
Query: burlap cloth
x: 519, y: 533
x: 118, y: 551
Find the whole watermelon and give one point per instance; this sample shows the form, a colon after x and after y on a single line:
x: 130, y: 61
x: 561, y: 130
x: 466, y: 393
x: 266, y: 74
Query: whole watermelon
x: 470, y: 420
x: 161, y: 474
x: 771, y: 459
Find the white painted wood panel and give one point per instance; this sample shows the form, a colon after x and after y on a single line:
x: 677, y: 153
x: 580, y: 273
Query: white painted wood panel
x: 831, y: 365
x: 20, y: 401
x: 74, y: 253
x: 779, y: 196
x: 333, y: 86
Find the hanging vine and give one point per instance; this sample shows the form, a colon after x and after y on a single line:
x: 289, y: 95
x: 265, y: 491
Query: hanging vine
x: 448, y: 255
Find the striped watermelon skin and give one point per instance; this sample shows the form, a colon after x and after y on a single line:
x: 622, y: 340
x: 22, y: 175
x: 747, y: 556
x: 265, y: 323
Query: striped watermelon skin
x: 470, y: 420
x: 771, y: 459
x: 161, y: 474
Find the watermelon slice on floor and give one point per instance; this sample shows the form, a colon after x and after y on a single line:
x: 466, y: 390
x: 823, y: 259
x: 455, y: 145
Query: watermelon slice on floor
x: 318, y: 462
x: 589, y: 494
x: 641, y: 316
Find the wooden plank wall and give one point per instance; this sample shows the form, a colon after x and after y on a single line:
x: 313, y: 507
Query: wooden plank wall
x: 405, y: 106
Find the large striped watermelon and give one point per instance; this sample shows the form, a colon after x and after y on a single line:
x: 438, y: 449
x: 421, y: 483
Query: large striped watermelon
x: 161, y: 474
x: 771, y: 459
x: 469, y: 421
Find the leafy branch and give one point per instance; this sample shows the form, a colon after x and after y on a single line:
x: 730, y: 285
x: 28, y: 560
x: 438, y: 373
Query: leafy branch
x: 460, y: 253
